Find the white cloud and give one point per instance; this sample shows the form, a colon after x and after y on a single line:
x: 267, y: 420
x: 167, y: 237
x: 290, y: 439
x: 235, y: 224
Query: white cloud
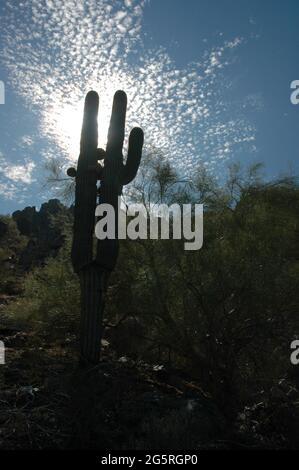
x: 17, y: 173
x: 26, y: 141
x: 7, y: 191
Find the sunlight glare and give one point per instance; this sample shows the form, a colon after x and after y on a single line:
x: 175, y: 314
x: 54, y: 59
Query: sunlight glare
x: 64, y: 122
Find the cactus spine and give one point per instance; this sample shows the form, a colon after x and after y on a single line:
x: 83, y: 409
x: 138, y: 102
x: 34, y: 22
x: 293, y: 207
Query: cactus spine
x: 94, y: 264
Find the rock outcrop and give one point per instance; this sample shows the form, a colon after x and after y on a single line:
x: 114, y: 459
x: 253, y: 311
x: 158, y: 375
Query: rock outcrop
x: 45, y: 231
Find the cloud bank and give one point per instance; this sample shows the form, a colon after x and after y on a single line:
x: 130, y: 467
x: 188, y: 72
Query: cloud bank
x: 56, y: 50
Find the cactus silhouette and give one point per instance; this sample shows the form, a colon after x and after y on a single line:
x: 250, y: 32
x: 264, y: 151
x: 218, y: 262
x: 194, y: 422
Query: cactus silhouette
x: 94, y: 262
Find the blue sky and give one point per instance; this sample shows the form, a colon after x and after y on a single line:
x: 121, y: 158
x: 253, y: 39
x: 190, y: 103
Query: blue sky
x: 209, y: 82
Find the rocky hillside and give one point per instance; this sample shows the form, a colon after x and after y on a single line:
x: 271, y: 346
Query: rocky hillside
x: 45, y: 230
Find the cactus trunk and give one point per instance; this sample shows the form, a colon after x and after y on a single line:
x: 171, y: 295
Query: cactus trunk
x: 92, y: 268
x: 92, y: 284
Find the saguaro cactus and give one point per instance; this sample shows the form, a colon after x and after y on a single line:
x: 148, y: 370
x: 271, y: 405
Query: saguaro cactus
x: 94, y: 262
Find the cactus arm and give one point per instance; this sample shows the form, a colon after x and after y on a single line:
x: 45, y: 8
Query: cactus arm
x: 116, y: 132
x: 134, y: 156
x: 86, y: 186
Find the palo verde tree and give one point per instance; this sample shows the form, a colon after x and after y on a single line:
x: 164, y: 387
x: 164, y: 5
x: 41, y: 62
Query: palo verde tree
x: 92, y: 268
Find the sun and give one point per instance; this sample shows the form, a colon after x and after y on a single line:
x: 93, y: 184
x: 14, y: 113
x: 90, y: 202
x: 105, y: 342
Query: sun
x: 68, y: 125
x: 63, y: 121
